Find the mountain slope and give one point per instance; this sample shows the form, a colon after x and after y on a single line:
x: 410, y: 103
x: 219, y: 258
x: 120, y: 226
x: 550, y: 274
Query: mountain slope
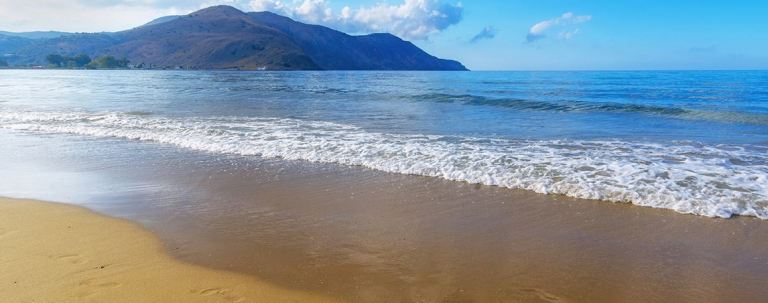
x: 35, y: 35
x: 162, y: 20
x: 35, y: 50
x: 222, y: 37
x: 10, y: 43
x: 214, y: 38
x: 336, y: 50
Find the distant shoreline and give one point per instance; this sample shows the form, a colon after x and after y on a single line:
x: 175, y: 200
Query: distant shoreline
x: 390, y: 70
x: 237, y: 69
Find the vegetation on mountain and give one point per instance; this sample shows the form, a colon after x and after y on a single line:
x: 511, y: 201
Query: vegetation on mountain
x: 10, y: 44
x: 107, y: 62
x: 84, y: 61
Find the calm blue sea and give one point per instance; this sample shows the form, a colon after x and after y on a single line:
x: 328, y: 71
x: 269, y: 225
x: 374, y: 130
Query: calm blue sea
x: 694, y: 142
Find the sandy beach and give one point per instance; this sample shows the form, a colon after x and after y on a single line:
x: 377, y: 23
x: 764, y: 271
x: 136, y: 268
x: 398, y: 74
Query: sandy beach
x: 61, y: 253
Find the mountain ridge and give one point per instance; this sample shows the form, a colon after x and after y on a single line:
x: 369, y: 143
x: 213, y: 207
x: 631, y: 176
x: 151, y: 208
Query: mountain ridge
x: 35, y: 34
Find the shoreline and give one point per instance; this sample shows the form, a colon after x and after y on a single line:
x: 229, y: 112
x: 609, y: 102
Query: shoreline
x: 64, y: 253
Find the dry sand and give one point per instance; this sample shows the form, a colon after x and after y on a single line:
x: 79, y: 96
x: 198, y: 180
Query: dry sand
x: 59, y: 253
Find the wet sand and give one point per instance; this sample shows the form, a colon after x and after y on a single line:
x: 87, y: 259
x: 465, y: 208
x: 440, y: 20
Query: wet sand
x: 62, y: 253
x: 369, y: 237
x: 366, y: 236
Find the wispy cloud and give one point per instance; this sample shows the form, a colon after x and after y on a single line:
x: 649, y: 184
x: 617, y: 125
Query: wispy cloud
x: 411, y: 19
x: 489, y: 32
x: 565, y: 24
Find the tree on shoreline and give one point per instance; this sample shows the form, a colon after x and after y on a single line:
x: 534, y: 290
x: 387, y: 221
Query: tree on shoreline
x: 81, y: 60
x: 84, y: 61
x: 55, y: 60
x: 107, y: 62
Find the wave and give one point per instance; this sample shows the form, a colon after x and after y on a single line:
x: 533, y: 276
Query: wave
x: 586, y: 106
x: 688, y: 177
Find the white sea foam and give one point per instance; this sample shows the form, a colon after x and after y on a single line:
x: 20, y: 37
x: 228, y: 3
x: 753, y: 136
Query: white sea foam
x: 708, y: 180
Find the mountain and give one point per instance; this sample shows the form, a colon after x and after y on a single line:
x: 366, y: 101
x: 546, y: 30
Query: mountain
x: 34, y: 51
x: 35, y: 35
x: 10, y: 43
x: 219, y: 37
x: 162, y: 20
x: 222, y: 37
x: 332, y: 49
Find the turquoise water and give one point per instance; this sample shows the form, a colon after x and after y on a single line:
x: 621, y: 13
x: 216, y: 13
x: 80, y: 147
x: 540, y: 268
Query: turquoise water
x: 694, y: 142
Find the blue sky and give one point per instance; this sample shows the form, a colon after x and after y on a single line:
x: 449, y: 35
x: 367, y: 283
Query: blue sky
x: 484, y: 35
x: 620, y: 35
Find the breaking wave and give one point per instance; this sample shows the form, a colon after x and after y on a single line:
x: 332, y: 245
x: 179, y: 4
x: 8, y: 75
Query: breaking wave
x: 707, y: 180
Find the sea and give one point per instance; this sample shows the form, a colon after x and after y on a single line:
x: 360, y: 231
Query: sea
x: 695, y: 142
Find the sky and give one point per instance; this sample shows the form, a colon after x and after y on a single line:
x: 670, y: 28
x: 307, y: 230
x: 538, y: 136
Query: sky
x: 482, y: 34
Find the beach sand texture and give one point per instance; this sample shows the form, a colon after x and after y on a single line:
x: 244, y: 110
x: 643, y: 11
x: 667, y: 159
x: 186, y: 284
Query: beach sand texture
x: 59, y: 253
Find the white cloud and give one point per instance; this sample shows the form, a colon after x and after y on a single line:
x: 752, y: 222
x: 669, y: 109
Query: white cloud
x: 266, y: 5
x: 567, y: 35
x: 566, y: 24
x: 314, y: 11
x: 411, y: 19
x: 79, y: 16
x: 488, y: 32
